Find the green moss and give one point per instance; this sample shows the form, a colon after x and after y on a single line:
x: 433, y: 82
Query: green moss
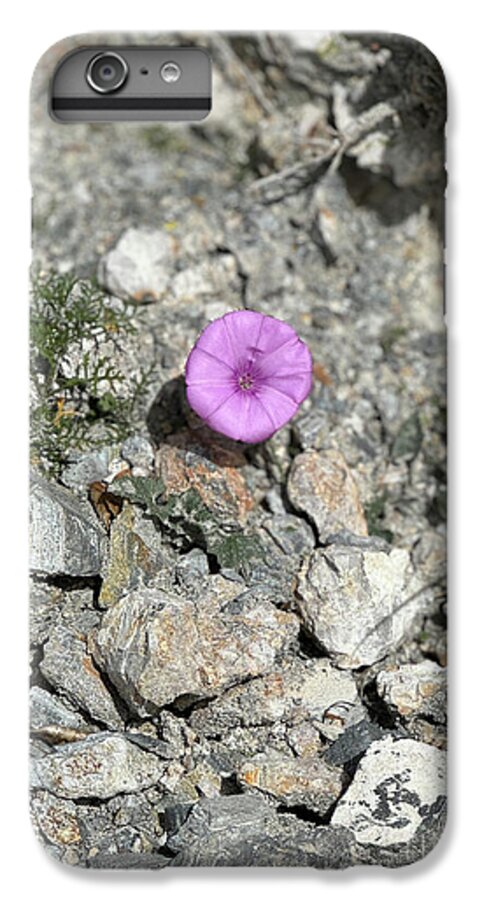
x: 67, y: 410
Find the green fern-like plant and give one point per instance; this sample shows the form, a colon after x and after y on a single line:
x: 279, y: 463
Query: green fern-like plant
x: 67, y: 409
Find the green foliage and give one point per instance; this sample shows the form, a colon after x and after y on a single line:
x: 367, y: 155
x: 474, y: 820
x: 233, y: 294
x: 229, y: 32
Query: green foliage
x: 186, y: 519
x: 144, y: 491
x: 67, y: 409
x: 238, y: 551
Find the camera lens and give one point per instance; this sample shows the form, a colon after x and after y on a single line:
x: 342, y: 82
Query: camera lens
x: 106, y: 72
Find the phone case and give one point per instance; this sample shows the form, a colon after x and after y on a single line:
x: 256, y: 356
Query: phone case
x: 238, y: 464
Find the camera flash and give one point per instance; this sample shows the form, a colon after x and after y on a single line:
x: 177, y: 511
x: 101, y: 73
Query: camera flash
x: 170, y: 72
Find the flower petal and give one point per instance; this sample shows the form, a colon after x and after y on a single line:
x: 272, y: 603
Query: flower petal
x: 234, y: 417
x: 279, y: 407
x: 289, y: 359
x: 213, y: 340
x: 297, y: 385
x: 203, y: 367
x: 206, y: 400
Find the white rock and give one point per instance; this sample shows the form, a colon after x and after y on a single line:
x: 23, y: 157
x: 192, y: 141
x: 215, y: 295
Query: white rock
x: 99, y: 766
x: 357, y: 603
x: 412, y: 689
x: 140, y: 265
x: 398, y: 785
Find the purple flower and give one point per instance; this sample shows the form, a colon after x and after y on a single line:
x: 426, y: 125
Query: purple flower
x: 247, y: 375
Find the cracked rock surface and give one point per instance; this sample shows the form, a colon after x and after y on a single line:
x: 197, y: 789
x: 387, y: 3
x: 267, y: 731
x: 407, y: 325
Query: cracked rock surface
x: 238, y: 652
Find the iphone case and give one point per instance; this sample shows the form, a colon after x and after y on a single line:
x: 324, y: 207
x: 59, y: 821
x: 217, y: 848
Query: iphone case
x: 238, y: 646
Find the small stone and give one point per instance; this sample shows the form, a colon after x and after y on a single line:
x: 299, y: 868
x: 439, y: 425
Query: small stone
x: 99, y: 766
x: 85, y: 468
x: 299, y: 691
x: 398, y: 787
x: 138, y: 451
x: 192, y: 566
x: 130, y: 562
x: 308, y: 782
x: 415, y: 689
x: 354, y: 741
x: 357, y: 604
x: 56, y: 819
x: 51, y: 720
x: 291, y: 534
x: 321, y: 485
x: 140, y: 266
x: 65, y: 536
x: 304, y: 739
x: 69, y: 668
x: 313, y: 429
x: 139, y: 641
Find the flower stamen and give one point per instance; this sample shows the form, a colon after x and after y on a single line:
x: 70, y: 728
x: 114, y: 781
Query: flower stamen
x: 246, y: 381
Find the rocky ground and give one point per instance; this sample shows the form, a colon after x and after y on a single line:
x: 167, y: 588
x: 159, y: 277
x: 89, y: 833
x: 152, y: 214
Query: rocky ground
x: 238, y: 652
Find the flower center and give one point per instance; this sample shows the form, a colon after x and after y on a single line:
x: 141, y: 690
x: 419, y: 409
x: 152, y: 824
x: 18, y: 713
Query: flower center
x: 246, y: 381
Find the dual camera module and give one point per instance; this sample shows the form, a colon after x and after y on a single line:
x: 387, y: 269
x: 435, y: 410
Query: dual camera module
x: 108, y: 72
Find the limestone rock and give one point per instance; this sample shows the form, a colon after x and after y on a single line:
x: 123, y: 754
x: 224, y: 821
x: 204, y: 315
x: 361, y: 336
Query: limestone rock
x: 139, y: 267
x: 66, y: 538
x: 308, y: 782
x: 130, y: 561
x: 415, y: 689
x: 398, y: 787
x: 69, y: 668
x: 321, y: 485
x: 357, y: 603
x: 56, y: 819
x: 54, y: 722
x: 221, y: 488
x: 159, y: 648
x: 100, y: 766
x: 299, y: 691
x: 246, y: 831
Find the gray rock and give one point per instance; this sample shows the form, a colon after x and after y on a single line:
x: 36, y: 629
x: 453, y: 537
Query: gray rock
x: 100, y: 766
x: 354, y: 741
x: 246, y: 831
x: 51, y: 719
x: 299, y: 691
x: 192, y: 566
x: 358, y: 604
x: 138, y: 451
x: 291, y: 535
x: 56, y: 819
x: 321, y: 486
x: 418, y: 689
x: 139, y: 267
x: 66, y: 538
x: 69, y: 668
x: 139, y: 639
x: 85, y: 468
x: 397, y: 787
x: 136, y: 555
x: 308, y: 782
